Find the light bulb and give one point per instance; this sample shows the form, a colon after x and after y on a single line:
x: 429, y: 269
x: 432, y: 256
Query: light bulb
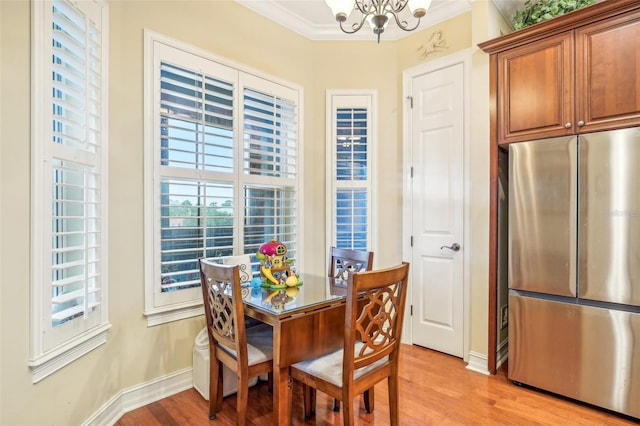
x: 419, y: 7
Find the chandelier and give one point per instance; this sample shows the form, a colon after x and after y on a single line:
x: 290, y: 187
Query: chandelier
x: 377, y: 13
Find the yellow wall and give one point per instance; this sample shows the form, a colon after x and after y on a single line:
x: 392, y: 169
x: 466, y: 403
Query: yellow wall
x: 134, y: 353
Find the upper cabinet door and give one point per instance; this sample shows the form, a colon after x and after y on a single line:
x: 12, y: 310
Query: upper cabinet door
x: 608, y: 74
x: 535, y: 90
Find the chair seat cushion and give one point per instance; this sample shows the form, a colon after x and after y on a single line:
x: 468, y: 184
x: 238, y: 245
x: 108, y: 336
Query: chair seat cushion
x: 329, y: 367
x: 259, y: 344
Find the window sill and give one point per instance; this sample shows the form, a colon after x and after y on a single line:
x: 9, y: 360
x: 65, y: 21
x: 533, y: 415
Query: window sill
x: 48, y: 363
x: 157, y: 317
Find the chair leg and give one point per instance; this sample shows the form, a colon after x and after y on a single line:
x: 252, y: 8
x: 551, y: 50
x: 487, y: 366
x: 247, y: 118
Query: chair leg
x: 242, y: 400
x: 215, y: 388
x: 309, y: 401
x: 270, y: 382
x: 368, y: 400
x: 336, y: 404
x: 219, y: 390
x: 394, y: 416
x: 348, y: 414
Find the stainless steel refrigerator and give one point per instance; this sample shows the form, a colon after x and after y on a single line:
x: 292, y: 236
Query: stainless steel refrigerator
x: 574, y: 267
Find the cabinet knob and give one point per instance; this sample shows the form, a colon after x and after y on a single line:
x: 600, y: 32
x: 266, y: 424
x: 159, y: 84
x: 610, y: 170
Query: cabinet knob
x: 580, y: 123
x: 567, y: 125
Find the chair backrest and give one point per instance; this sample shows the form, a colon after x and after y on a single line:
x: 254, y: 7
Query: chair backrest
x: 374, y: 316
x: 221, y: 287
x: 346, y: 261
x: 244, y: 262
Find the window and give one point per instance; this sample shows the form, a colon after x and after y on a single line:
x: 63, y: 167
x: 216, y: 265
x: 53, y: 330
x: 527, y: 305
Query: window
x: 350, y: 142
x: 69, y: 228
x: 221, y: 176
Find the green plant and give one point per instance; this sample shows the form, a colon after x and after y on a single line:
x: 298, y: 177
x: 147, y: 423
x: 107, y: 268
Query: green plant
x: 535, y: 11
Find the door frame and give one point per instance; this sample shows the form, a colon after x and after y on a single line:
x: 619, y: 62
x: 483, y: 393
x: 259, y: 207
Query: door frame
x: 463, y: 57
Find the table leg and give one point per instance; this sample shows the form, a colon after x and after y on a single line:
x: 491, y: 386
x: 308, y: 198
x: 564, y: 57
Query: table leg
x: 282, y: 384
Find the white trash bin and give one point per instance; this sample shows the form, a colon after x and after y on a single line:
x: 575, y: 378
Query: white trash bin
x: 201, y: 369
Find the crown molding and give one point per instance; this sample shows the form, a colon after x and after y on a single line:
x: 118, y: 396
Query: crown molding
x: 440, y: 11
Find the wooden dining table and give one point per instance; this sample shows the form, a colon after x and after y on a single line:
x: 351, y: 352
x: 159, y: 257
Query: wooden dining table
x: 307, y: 320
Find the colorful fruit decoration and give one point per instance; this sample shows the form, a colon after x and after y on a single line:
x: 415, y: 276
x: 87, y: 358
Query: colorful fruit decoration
x: 274, y: 264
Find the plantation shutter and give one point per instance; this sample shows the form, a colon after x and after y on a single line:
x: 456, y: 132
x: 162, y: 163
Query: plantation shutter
x: 197, y: 204
x: 352, y: 200
x: 270, y: 135
x: 76, y: 171
x: 223, y: 178
x: 270, y: 152
x: 270, y: 213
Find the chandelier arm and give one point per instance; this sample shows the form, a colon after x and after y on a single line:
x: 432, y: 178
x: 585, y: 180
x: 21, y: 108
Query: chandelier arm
x: 404, y: 25
x: 395, y: 6
x: 363, y: 6
x: 355, y: 27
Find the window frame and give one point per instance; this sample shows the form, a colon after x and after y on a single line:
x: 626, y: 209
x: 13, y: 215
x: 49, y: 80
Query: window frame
x: 51, y: 348
x: 336, y: 99
x: 161, y: 308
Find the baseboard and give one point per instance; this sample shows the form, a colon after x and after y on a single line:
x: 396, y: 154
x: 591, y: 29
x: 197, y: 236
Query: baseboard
x: 139, y: 395
x: 478, y: 363
x: 502, y: 353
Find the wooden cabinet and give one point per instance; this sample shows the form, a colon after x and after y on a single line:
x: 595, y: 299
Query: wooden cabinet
x: 607, y: 74
x: 535, y: 90
x: 580, y: 80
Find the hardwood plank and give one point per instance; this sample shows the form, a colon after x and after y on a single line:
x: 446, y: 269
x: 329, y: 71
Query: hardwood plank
x: 435, y: 389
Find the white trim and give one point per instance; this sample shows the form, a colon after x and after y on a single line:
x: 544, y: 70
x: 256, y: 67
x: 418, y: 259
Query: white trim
x: 140, y: 395
x: 46, y: 356
x: 49, y: 363
x: 38, y: 73
x: 462, y: 57
x: 152, y: 36
x: 478, y: 363
x: 502, y: 352
x: 162, y: 316
x: 439, y: 11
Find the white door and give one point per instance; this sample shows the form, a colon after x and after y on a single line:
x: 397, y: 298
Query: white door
x: 437, y: 210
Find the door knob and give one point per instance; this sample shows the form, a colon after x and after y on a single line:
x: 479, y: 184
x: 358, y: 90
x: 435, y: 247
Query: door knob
x: 452, y: 247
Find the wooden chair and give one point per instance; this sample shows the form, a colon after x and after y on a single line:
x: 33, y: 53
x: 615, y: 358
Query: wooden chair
x: 345, y: 261
x: 373, y: 330
x: 246, y: 351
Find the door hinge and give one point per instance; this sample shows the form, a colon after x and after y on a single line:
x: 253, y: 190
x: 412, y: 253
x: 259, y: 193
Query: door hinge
x: 412, y: 241
x: 410, y: 99
x: 411, y: 310
x: 411, y: 172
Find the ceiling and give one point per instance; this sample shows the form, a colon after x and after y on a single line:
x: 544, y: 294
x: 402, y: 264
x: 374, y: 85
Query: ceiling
x: 314, y: 20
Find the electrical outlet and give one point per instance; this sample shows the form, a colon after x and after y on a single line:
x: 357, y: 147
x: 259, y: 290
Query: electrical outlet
x: 504, y: 317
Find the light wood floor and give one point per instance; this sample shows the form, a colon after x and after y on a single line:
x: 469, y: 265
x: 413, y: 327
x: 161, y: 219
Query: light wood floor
x: 435, y: 389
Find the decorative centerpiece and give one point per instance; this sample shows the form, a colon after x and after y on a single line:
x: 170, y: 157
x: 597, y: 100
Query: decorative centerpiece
x: 275, y: 266
x: 535, y: 11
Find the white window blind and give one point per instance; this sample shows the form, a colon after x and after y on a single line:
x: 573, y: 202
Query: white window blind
x: 76, y: 241
x: 70, y: 153
x: 350, y: 127
x: 351, y: 144
x: 352, y: 215
x: 196, y: 134
x: 270, y: 212
x: 196, y: 120
x: 270, y: 136
x: 223, y: 170
x: 196, y: 221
